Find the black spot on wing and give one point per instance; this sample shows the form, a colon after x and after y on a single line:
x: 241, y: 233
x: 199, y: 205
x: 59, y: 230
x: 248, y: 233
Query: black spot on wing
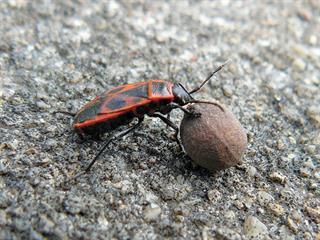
x: 140, y: 91
x: 136, y: 100
x: 116, y: 103
x: 89, y: 112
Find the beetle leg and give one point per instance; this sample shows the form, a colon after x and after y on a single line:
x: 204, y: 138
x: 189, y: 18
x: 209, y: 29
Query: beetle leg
x: 119, y: 135
x: 170, y: 124
x: 65, y: 112
x: 168, y: 118
x: 186, y: 111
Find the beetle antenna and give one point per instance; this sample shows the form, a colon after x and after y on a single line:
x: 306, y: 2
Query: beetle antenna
x: 65, y: 112
x: 209, y: 77
x: 209, y: 102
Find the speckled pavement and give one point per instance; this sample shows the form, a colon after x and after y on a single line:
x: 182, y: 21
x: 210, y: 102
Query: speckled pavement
x: 58, y: 55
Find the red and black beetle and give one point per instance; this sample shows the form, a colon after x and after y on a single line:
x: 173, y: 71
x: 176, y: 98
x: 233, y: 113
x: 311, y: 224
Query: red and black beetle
x: 120, y: 105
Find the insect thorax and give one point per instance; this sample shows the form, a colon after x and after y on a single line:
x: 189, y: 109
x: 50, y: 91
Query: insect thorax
x: 181, y: 95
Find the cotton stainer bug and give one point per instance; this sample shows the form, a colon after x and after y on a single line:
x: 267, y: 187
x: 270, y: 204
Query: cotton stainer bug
x: 122, y: 104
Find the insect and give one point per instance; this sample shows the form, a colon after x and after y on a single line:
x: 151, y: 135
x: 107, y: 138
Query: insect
x: 121, y: 105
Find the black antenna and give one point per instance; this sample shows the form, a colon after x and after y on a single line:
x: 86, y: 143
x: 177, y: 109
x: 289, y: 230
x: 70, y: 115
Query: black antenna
x: 209, y: 77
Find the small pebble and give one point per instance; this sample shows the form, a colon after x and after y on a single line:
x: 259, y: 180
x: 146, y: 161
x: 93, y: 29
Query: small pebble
x: 46, y: 224
x: 316, y: 139
x: 152, y: 212
x: 4, y: 146
x: 311, y: 149
x: 42, y: 162
x: 76, y: 77
x: 299, y: 65
x: 276, y: 209
x: 73, y: 204
x: 292, y: 140
x: 230, y: 215
x: 312, y: 39
x: 180, y: 179
x: 102, y: 221
x: 227, y: 90
x: 226, y: 233
x: 214, y: 195
x: 41, y: 104
x: 296, y: 215
x: 307, y: 236
x: 251, y: 171
x: 3, y: 168
x: 254, y: 228
x: 152, y: 160
x: 313, y: 113
x: 285, y: 234
x: 143, y: 166
x: 31, y: 151
x: 51, y: 143
x: 292, y: 225
x: 264, y: 198
x: 167, y: 193
x: 239, y: 204
x: 305, y: 172
x: 278, y: 177
x: 309, y: 164
x: 3, y: 217
x: 280, y: 145
x: 314, y: 213
x: 248, y: 202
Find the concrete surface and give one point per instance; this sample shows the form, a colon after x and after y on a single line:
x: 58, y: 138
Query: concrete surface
x: 58, y: 55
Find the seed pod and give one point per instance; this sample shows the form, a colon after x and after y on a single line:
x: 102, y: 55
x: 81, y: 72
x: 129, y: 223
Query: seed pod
x: 215, y: 140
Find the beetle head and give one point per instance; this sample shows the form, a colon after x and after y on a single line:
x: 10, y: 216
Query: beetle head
x: 181, y: 95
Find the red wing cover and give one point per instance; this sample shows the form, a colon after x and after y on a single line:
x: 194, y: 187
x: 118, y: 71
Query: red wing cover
x: 114, y: 102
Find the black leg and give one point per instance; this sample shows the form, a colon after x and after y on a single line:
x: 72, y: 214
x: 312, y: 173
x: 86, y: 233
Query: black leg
x: 170, y: 124
x: 65, y: 112
x: 119, y: 135
x: 186, y: 111
x: 168, y: 117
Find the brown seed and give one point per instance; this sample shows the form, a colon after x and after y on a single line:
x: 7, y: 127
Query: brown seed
x: 215, y: 140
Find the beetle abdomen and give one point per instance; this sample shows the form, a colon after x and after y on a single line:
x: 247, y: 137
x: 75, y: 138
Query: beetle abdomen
x: 107, y: 125
x: 120, y: 105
